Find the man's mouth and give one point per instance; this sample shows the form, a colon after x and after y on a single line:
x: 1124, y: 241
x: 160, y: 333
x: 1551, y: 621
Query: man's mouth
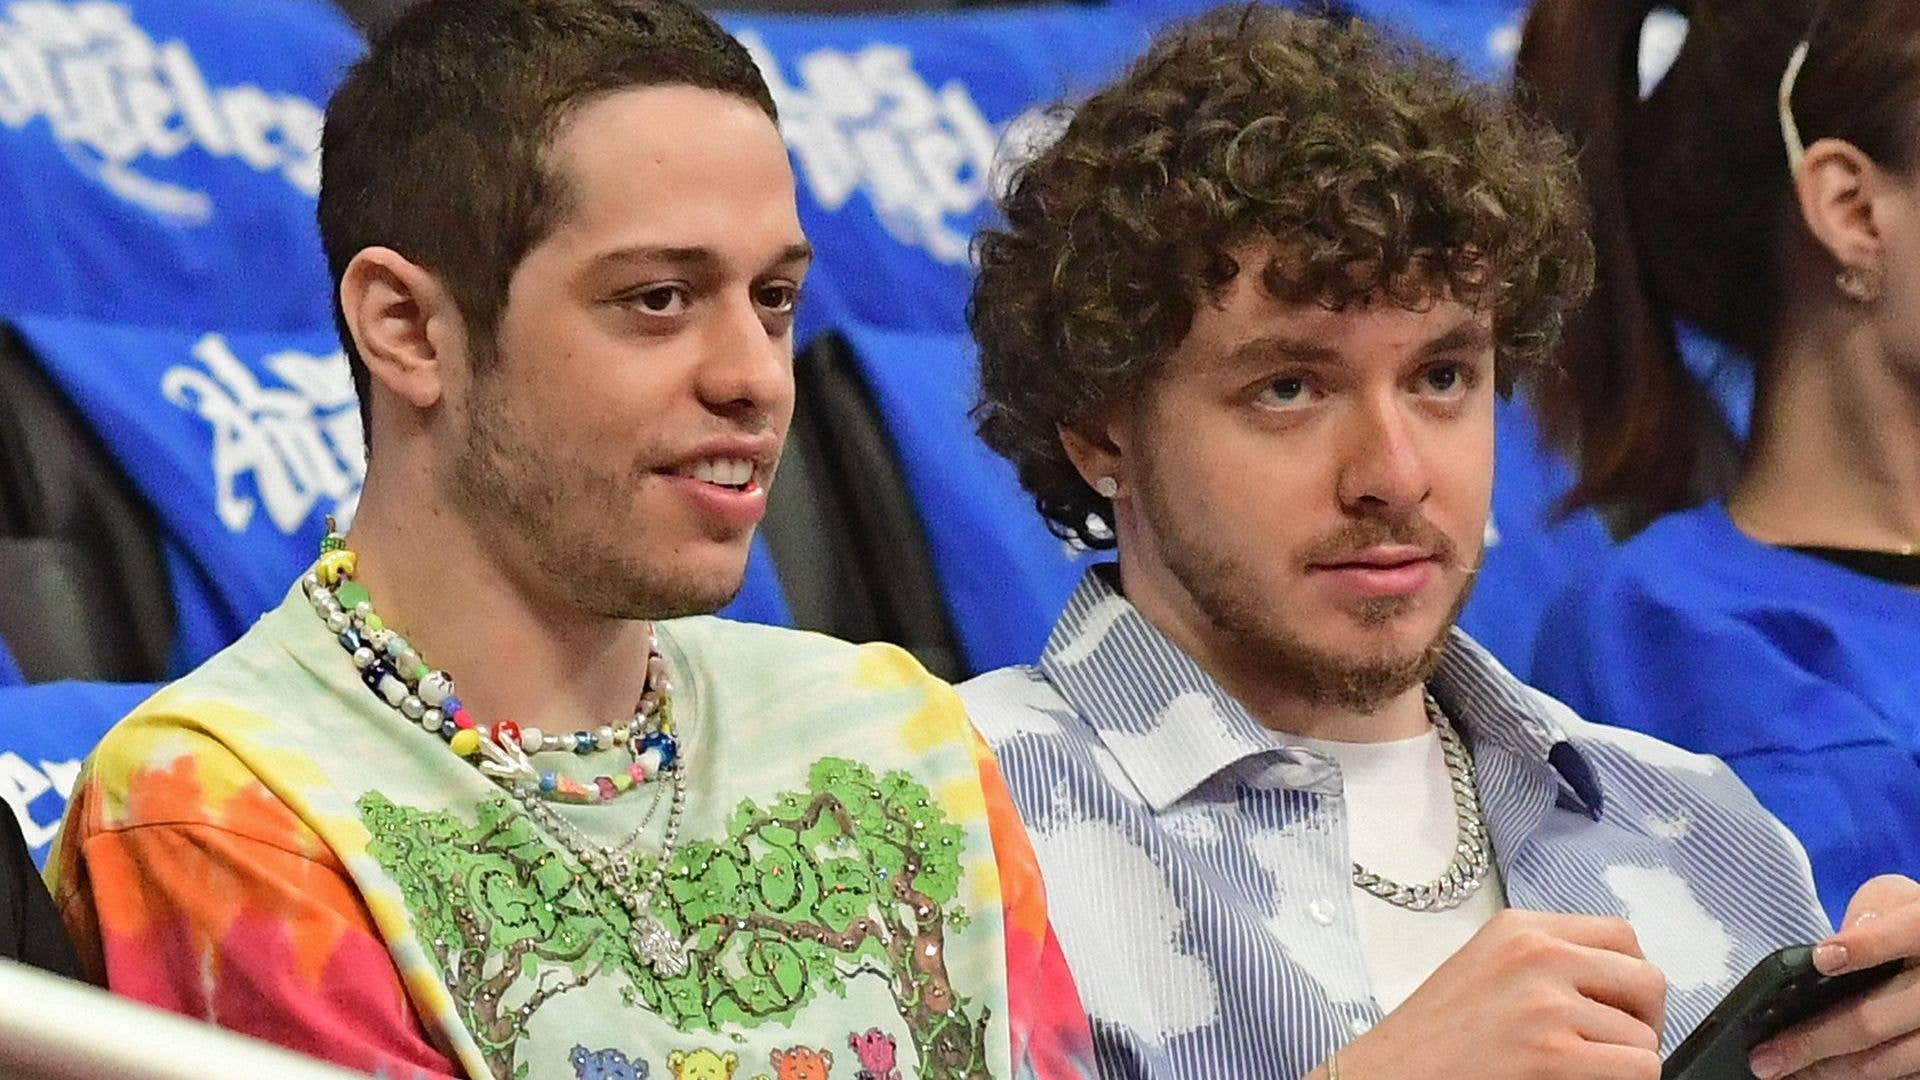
x: 734, y: 474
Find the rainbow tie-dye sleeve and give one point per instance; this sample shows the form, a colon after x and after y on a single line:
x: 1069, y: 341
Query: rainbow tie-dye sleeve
x: 1050, y: 1036
x: 221, y: 905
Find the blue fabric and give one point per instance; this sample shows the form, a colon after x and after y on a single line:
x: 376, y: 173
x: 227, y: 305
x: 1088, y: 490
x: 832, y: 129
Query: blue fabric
x: 1483, y: 35
x: 761, y: 600
x: 1800, y: 674
x: 159, y: 160
x: 1003, y: 574
x: 1198, y: 864
x: 241, y: 443
x: 9, y: 671
x: 894, y: 123
x: 1531, y: 550
x: 45, y: 732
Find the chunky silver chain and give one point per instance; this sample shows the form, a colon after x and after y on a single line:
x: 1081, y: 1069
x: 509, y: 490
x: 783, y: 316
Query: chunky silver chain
x: 1472, y: 850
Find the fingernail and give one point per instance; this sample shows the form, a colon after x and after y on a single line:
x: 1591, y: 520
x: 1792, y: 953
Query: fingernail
x: 1766, y: 1063
x: 1830, y: 958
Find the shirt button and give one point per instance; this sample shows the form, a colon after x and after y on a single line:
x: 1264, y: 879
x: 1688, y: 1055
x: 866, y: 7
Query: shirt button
x: 1322, y: 912
x: 1360, y: 1025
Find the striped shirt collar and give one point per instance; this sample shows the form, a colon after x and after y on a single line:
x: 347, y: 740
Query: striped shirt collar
x: 1171, y: 726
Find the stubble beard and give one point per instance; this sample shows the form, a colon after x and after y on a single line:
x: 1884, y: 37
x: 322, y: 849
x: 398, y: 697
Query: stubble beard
x: 549, y: 508
x: 1221, y: 588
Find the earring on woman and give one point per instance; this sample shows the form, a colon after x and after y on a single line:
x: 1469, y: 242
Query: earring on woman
x: 1860, y: 285
x: 1107, y: 487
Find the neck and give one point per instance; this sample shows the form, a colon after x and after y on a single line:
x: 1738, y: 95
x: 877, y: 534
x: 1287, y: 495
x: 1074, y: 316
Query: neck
x: 515, y: 651
x: 1251, y: 678
x: 1831, y: 459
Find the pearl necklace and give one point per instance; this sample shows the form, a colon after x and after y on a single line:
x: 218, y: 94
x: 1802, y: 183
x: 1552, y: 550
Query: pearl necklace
x: 1472, y: 853
x: 395, y: 671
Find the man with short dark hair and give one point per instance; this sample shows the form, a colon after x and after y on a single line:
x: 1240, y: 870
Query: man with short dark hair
x: 1250, y: 311
x: 476, y: 799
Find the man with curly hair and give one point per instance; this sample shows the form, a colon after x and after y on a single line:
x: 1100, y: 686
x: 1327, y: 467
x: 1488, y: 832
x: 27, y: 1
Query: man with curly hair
x: 1246, y: 322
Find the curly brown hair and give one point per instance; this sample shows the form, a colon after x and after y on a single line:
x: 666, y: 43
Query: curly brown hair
x: 1378, y: 168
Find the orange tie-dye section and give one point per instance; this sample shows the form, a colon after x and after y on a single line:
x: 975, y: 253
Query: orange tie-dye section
x: 1050, y: 1036
x: 226, y: 913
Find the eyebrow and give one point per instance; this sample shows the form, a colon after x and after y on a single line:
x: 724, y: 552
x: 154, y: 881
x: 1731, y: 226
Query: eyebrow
x: 701, y: 258
x: 1469, y: 335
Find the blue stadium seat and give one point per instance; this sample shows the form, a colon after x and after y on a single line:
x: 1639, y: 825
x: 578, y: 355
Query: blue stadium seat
x: 164, y: 172
x: 895, y: 124
x: 1004, y: 575
x: 10, y: 674
x: 49, y: 729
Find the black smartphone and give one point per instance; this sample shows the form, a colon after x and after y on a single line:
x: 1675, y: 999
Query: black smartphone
x: 1780, y: 991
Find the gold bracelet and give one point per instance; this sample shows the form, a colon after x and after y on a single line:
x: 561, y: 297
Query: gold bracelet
x: 1333, y: 1066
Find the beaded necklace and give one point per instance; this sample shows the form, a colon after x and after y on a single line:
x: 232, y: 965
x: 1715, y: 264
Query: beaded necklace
x: 395, y: 672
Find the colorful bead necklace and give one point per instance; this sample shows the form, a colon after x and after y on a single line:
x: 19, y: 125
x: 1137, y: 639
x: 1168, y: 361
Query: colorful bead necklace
x: 396, y: 673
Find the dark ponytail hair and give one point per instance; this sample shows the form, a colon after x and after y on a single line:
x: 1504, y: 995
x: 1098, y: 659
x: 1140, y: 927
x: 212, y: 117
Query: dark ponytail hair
x: 1693, y: 206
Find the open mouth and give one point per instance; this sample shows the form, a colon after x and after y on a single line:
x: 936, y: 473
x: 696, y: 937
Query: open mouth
x: 733, y: 474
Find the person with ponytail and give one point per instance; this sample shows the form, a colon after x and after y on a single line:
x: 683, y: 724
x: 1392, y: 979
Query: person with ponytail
x: 1766, y: 608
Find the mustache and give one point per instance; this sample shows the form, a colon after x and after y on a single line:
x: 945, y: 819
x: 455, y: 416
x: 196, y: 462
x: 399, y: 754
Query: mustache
x: 1410, y: 530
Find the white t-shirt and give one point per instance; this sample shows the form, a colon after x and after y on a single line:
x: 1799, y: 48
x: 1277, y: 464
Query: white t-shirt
x: 1400, y: 825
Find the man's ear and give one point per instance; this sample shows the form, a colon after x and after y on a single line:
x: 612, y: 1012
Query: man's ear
x: 404, y: 324
x: 1098, y: 450
x: 1838, y: 188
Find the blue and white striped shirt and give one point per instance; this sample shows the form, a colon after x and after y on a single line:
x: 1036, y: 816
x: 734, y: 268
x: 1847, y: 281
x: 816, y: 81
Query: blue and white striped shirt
x: 1197, y: 869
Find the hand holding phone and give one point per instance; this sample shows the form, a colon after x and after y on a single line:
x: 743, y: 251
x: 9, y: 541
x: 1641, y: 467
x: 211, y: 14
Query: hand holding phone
x: 1780, y: 991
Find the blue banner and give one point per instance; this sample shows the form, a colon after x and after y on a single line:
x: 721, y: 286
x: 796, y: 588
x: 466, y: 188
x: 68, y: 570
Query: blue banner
x: 1483, y: 35
x: 900, y: 128
x: 241, y: 443
x: 159, y: 160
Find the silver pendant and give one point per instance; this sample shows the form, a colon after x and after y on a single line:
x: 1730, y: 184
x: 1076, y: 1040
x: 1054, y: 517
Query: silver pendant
x: 657, y: 948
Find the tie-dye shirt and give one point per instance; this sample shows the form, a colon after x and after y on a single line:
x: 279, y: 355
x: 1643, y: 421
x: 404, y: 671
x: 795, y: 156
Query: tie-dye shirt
x: 267, y: 845
x: 1198, y: 870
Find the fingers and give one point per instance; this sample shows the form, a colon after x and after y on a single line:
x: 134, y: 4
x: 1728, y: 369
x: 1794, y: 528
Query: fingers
x: 1601, y: 1023
x: 1593, y: 931
x: 1882, y: 924
x: 1898, y: 1060
x: 1612, y: 1062
x: 1634, y: 988
x: 1886, y: 1016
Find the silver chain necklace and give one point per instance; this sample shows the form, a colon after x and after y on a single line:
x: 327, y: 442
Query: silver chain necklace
x: 1472, y: 850
x: 651, y: 941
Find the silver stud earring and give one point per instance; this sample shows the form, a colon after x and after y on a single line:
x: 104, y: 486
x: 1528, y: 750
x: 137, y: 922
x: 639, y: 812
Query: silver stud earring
x: 1858, y: 285
x: 1107, y: 487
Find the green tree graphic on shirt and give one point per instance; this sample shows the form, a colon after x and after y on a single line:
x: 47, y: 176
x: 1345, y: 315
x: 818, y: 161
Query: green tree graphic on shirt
x: 853, y: 877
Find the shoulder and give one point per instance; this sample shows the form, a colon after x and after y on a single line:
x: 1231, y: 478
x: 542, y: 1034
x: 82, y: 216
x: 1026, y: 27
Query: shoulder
x: 1688, y: 559
x: 711, y: 640
x: 1015, y: 702
x: 1655, y: 786
x: 171, y: 761
x: 794, y: 681
x: 193, y: 754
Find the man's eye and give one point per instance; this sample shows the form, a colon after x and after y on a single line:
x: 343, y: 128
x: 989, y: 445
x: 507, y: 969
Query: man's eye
x: 1284, y: 392
x: 1445, y: 379
x: 779, y: 299
x: 660, y: 300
